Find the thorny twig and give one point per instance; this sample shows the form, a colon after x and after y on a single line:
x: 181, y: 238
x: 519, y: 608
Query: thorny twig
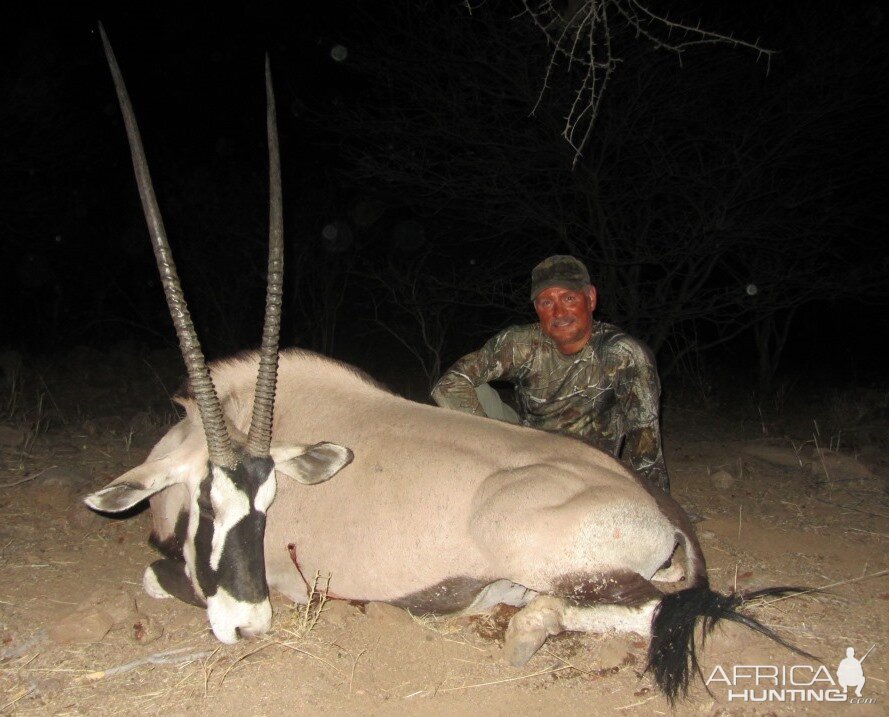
x: 582, y: 35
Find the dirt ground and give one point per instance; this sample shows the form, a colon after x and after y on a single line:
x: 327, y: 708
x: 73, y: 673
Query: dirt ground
x: 78, y: 636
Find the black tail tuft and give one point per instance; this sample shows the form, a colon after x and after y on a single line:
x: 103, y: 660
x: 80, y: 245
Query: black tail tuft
x: 672, y: 655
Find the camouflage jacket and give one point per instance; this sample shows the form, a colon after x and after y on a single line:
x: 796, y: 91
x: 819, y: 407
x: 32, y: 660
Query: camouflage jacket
x: 607, y: 394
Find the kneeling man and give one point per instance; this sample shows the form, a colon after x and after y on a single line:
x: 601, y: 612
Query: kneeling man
x: 572, y: 375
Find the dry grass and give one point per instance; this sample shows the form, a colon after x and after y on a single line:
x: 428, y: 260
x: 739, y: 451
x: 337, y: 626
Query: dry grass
x: 306, y: 616
x: 441, y: 625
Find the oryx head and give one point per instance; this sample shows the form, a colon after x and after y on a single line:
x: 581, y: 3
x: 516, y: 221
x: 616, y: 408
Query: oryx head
x: 231, y: 483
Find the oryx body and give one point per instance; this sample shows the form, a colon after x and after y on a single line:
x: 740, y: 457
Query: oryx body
x: 436, y: 504
x: 428, y: 509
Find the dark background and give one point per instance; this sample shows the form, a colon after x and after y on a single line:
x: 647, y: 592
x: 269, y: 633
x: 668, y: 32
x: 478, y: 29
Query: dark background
x: 419, y: 190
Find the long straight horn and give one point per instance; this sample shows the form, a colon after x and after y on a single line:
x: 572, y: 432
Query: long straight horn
x: 218, y: 439
x: 260, y: 436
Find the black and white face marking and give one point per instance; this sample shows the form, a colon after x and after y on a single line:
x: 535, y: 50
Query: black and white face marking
x: 224, y: 554
x: 221, y: 530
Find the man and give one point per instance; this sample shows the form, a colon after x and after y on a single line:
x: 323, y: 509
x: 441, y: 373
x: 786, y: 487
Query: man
x: 572, y: 375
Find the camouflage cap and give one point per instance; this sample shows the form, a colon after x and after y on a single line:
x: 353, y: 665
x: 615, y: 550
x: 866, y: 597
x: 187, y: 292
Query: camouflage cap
x: 559, y: 270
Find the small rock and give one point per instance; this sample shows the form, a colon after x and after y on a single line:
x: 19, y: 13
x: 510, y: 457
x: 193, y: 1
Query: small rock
x: 118, y: 604
x: 706, y: 534
x: 384, y: 612
x: 81, y: 627
x: 722, y: 479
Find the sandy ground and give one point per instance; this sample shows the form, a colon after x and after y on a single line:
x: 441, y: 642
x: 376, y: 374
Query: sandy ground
x: 78, y: 636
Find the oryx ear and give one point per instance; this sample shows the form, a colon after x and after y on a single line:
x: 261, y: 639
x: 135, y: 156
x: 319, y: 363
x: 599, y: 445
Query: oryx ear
x: 141, y: 482
x: 311, y: 464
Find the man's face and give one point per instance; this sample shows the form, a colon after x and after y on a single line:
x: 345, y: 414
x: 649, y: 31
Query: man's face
x: 566, y: 316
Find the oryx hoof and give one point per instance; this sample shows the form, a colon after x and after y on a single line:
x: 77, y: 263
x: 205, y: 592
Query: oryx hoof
x: 529, y: 628
x: 519, y: 647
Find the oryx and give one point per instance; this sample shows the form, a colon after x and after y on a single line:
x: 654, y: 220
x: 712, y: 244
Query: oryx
x: 431, y: 510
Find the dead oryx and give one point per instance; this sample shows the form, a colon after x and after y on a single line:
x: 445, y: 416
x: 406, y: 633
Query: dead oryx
x: 428, y: 509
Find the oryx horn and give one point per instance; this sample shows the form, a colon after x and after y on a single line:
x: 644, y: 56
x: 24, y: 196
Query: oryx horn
x: 260, y: 436
x: 218, y: 440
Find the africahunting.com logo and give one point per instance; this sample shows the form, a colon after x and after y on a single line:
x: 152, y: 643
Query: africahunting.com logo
x: 794, y: 683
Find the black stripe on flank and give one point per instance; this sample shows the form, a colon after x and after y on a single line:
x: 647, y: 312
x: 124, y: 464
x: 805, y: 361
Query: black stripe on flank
x: 618, y: 587
x: 449, y: 595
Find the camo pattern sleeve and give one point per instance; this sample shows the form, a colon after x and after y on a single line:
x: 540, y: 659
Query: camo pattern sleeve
x: 638, y: 391
x: 502, y: 357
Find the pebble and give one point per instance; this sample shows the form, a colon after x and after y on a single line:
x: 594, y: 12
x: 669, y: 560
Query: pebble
x: 81, y: 627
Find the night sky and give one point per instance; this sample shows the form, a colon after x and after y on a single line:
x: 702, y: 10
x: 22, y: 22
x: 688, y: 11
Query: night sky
x: 724, y: 197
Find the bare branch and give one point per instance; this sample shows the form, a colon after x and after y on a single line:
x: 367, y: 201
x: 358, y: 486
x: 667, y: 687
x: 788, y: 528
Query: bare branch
x: 584, y: 37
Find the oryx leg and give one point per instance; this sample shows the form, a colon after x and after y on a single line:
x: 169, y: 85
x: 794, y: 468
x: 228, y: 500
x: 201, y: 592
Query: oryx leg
x: 549, y: 615
x: 500, y: 592
x: 166, y: 578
